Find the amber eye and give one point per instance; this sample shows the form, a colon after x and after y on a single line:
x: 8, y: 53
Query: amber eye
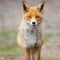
x: 29, y: 17
x: 37, y: 16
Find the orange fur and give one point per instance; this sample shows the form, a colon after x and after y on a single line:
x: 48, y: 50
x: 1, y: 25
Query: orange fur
x: 33, y: 13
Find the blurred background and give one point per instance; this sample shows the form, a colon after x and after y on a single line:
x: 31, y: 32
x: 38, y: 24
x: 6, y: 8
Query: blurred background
x: 10, y: 17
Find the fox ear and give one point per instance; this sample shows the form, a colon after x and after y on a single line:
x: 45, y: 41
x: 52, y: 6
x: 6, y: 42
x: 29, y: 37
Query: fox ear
x: 41, y: 6
x: 25, y: 6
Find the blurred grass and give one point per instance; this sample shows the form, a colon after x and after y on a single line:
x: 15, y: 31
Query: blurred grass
x: 8, y: 34
x: 10, y: 37
x: 9, y: 46
x: 9, y: 51
x: 47, y: 37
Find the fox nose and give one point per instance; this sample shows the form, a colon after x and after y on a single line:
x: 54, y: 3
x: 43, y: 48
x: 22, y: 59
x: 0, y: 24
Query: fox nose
x: 33, y: 23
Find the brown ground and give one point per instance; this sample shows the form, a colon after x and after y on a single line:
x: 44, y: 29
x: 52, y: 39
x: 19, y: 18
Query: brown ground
x: 51, y: 48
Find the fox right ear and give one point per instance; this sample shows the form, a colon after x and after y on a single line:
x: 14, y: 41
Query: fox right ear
x: 40, y: 6
x: 25, y: 6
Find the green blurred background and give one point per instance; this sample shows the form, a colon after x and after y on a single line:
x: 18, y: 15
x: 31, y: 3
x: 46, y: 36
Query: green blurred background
x: 10, y: 17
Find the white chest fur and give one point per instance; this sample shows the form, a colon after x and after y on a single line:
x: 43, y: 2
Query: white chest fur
x: 31, y: 35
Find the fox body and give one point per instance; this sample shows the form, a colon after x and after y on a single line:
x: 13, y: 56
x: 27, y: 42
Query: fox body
x: 30, y: 31
x: 31, y: 36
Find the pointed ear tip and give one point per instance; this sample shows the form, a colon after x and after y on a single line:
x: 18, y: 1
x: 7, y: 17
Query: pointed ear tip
x: 44, y: 1
x: 23, y: 1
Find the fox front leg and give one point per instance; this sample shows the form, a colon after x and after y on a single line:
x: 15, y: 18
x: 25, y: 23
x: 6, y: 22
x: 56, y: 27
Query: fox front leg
x: 27, y: 54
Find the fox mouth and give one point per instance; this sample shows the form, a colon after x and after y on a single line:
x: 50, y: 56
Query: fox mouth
x: 33, y: 25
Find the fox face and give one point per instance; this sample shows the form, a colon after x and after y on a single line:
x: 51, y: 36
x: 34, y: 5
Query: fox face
x: 33, y: 15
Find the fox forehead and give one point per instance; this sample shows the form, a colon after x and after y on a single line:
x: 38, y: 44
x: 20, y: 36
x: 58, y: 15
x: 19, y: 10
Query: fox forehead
x: 34, y: 11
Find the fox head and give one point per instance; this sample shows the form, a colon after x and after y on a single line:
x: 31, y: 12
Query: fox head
x: 33, y: 15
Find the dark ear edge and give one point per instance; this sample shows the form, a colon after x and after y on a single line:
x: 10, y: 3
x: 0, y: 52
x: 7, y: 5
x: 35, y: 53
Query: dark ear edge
x: 25, y: 6
x: 41, y: 5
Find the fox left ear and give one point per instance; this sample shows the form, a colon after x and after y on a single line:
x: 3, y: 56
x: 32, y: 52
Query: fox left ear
x: 25, y: 6
x: 41, y: 6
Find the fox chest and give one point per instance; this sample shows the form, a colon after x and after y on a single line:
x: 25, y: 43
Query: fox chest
x: 32, y: 37
x: 31, y: 34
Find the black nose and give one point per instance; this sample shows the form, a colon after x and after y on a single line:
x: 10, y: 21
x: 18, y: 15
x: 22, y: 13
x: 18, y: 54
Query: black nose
x: 33, y: 23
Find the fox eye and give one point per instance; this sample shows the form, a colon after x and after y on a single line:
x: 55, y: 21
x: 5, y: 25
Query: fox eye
x: 29, y: 17
x: 37, y: 16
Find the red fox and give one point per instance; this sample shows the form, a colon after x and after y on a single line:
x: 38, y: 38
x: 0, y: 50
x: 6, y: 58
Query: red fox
x: 30, y: 36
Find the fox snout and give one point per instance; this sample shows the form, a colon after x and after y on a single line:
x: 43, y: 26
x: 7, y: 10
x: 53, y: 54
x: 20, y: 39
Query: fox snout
x: 33, y: 23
